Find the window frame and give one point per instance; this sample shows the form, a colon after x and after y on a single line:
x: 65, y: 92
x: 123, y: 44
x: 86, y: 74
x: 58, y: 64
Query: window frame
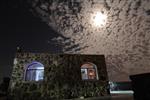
x: 96, y: 72
x: 27, y: 68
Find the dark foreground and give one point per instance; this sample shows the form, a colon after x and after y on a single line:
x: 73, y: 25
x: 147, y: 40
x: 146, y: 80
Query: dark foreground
x: 118, y: 97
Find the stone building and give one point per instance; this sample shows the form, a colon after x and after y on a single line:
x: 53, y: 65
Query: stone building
x: 43, y: 76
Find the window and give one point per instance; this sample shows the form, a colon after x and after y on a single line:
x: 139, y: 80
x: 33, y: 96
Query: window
x: 89, y: 71
x: 34, y: 72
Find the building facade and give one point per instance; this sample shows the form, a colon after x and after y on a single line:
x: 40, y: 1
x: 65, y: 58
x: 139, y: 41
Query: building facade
x: 58, y: 76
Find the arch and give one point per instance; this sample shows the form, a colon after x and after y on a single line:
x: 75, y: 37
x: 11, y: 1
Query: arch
x: 34, y: 71
x: 89, y: 71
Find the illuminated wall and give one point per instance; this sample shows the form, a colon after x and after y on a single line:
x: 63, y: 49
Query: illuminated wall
x: 124, y: 38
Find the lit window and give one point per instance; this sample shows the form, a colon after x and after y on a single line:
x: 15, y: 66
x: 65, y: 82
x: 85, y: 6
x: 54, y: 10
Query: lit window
x: 34, y: 72
x: 89, y: 71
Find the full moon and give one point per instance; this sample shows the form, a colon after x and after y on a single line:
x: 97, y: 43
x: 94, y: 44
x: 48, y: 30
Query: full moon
x: 99, y: 19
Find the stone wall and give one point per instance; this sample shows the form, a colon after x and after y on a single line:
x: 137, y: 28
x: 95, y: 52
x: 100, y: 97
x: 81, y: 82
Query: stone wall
x: 62, y: 77
x: 124, y: 39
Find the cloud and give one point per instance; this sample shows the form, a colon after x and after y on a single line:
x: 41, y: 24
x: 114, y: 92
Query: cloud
x: 126, y: 32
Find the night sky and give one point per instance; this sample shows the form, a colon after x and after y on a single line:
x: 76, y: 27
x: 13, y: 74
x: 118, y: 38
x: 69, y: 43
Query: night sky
x: 20, y: 28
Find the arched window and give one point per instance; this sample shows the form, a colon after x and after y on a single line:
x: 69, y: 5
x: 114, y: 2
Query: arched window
x: 89, y: 71
x: 34, y: 72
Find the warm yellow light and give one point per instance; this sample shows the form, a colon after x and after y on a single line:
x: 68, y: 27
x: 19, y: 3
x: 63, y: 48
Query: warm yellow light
x: 99, y: 19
